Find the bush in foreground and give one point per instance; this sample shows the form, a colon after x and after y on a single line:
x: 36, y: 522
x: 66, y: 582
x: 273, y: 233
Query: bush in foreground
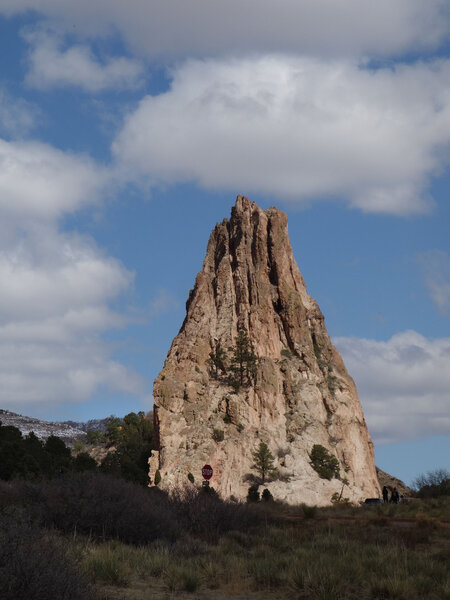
x: 34, y: 564
x: 104, y: 507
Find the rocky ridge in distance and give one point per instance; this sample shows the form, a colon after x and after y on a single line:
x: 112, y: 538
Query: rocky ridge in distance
x: 68, y: 431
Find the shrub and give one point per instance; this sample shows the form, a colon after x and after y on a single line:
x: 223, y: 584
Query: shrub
x: 253, y: 494
x: 324, y: 463
x: 157, y: 477
x: 235, y: 385
x: 433, y: 484
x: 103, y: 507
x: 267, y: 496
x: 218, y: 435
x: 208, y: 517
x: 34, y: 564
x: 105, y: 566
x: 309, y: 512
x: 286, y: 353
x: 191, y: 478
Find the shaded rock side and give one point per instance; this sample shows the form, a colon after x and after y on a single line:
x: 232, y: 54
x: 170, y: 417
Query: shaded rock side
x: 301, y: 395
x: 391, y: 482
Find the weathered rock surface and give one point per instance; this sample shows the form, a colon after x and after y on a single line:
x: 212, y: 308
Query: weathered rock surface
x: 301, y: 395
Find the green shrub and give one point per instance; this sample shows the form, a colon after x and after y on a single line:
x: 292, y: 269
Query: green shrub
x: 235, y: 385
x: 309, y: 512
x: 191, y: 478
x: 286, y: 353
x: 324, y: 463
x: 104, y: 565
x: 218, y: 435
x: 253, y: 494
x: 332, y: 382
x: 157, y: 477
x: 267, y: 496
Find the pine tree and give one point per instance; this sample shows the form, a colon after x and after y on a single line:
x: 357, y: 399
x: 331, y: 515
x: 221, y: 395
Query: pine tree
x: 324, y: 463
x: 218, y: 360
x: 244, y: 362
x: 263, y: 458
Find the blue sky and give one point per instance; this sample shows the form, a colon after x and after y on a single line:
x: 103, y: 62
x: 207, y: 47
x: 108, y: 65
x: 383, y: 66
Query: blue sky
x: 126, y: 133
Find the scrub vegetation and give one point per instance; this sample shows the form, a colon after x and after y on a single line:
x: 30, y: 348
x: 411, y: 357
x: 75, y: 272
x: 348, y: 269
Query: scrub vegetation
x: 114, y: 539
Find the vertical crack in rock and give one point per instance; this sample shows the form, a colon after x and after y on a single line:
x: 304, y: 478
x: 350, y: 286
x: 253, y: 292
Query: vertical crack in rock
x: 301, y: 393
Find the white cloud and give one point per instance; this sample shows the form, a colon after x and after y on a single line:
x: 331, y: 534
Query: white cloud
x: 39, y: 181
x: 403, y: 384
x: 50, y: 66
x: 436, y: 267
x: 54, y: 306
x: 56, y: 286
x: 297, y: 128
x: 176, y: 28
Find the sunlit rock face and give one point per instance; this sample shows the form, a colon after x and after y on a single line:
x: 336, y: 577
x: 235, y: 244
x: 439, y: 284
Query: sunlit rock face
x: 301, y: 394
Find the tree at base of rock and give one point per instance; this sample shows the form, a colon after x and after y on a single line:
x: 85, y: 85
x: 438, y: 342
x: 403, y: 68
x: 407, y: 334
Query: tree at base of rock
x: 324, y: 463
x: 263, y: 458
x: 253, y: 494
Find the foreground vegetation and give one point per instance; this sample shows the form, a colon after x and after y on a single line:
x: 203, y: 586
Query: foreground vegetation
x: 90, y: 536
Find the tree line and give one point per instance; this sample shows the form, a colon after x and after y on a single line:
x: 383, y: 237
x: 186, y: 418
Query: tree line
x: 129, y: 442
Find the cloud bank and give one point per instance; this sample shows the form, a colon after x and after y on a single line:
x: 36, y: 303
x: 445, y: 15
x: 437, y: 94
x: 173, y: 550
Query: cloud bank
x: 403, y: 384
x: 56, y: 286
x: 298, y: 128
x: 170, y: 29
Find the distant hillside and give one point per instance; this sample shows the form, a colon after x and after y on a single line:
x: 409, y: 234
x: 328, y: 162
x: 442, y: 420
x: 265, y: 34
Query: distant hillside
x: 68, y: 431
x: 392, y: 482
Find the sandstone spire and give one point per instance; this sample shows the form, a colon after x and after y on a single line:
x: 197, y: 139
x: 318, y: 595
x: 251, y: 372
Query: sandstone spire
x: 300, y: 395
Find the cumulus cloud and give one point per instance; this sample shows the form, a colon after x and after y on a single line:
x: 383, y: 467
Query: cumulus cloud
x: 175, y: 28
x: 54, y: 305
x: 56, y: 286
x: 436, y: 267
x: 39, y: 181
x: 301, y: 128
x: 51, y: 66
x: 403, y: 384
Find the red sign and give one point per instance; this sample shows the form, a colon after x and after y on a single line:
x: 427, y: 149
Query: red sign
x: 207, y: 472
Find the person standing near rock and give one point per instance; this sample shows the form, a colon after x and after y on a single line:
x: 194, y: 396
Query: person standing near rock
x: 385, y: 495
x: 395, y: 496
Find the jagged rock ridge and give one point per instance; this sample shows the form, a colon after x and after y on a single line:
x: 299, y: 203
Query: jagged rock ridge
x: 302, y: 394
x: 68, y: 431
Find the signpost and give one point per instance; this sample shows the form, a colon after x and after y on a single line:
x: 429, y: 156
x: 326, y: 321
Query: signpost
x: 207, y: 472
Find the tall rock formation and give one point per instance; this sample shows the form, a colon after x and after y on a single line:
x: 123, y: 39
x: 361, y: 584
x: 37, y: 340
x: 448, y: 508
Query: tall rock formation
x: 300, y: 395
